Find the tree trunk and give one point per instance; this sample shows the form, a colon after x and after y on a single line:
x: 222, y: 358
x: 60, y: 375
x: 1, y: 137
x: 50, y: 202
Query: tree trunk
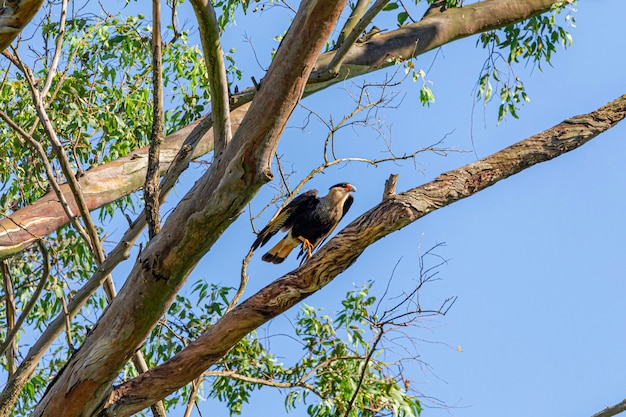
x: 198, y: 221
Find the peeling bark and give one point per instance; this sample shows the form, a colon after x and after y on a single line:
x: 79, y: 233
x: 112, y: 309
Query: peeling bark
x: 14, y: 16
x: 394, y: 213
x: 109, y: 182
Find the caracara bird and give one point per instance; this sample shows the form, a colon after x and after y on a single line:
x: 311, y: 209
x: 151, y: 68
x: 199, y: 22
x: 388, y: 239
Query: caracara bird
x: 308, y: 219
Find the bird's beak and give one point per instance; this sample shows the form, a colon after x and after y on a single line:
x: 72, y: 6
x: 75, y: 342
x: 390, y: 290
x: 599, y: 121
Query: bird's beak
x: 351, y: 187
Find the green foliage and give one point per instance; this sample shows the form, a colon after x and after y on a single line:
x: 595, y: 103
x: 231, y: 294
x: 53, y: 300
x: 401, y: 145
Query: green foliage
x: 325, y: 378
x: 100, y: 104
x: 338, y: 361
x: 403, y: 14
x: 229, y: 8
x: 26, y: 271
x: 534, y: 41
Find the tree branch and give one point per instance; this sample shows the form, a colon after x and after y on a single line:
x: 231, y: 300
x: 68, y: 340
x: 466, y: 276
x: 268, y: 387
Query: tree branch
x: 14, y: 16
x: 343, y: 250
x: 357, y: 13
x: 151, y: 186
x: 57, y: 51
x: 335, y: 64
x: 612, y: 410
x: 214, y: 61
x: 196, y: 133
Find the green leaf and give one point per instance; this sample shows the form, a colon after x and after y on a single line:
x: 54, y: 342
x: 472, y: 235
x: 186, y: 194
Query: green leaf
x: 390, y: 6
x: 402, y: 17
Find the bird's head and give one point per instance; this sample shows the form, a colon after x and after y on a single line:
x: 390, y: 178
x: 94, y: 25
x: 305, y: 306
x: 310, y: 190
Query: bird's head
x: 344, y: 186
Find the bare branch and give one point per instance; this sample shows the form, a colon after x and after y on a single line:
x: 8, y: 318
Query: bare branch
x: 332, y: 70
x: 365, y: 367
x: 390, y: 186
x: 57, y: 147
x: 357, y: 13
x: 195, y: 387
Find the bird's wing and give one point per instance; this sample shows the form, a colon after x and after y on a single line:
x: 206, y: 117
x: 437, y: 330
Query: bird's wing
x: 346, y: 205
x: 285, y: 217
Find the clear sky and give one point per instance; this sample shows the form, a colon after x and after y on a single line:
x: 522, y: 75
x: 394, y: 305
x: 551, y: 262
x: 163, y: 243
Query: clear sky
x: 537, y: 261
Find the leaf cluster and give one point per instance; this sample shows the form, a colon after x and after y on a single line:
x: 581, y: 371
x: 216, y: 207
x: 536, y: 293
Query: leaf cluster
x: 533, y: 41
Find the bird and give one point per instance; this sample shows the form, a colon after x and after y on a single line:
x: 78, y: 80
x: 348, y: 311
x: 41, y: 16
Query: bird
x: 308, y: 221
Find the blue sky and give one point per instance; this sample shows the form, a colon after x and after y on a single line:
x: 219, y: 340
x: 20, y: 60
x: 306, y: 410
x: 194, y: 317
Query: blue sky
x: 536, y: 261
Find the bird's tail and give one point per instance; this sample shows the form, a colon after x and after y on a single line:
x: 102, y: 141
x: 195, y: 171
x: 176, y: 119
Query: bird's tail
x: 281, y: 250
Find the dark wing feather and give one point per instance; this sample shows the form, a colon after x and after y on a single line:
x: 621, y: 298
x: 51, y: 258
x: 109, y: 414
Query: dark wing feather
x: 287, y: 216
x: 347, y: 204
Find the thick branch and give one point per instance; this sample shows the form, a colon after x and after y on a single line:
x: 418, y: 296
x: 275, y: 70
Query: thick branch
x: 357, y: 13
x: 342, y: 251
x: 14, y: 16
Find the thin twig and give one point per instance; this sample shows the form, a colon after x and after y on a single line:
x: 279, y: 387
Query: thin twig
x: 243, y: 281
x: 33, y: 299
x: 68, y: 324
x: 195, y: 387
x: 366, y: 362
x: 57, y: 51
x: 9, y: 302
